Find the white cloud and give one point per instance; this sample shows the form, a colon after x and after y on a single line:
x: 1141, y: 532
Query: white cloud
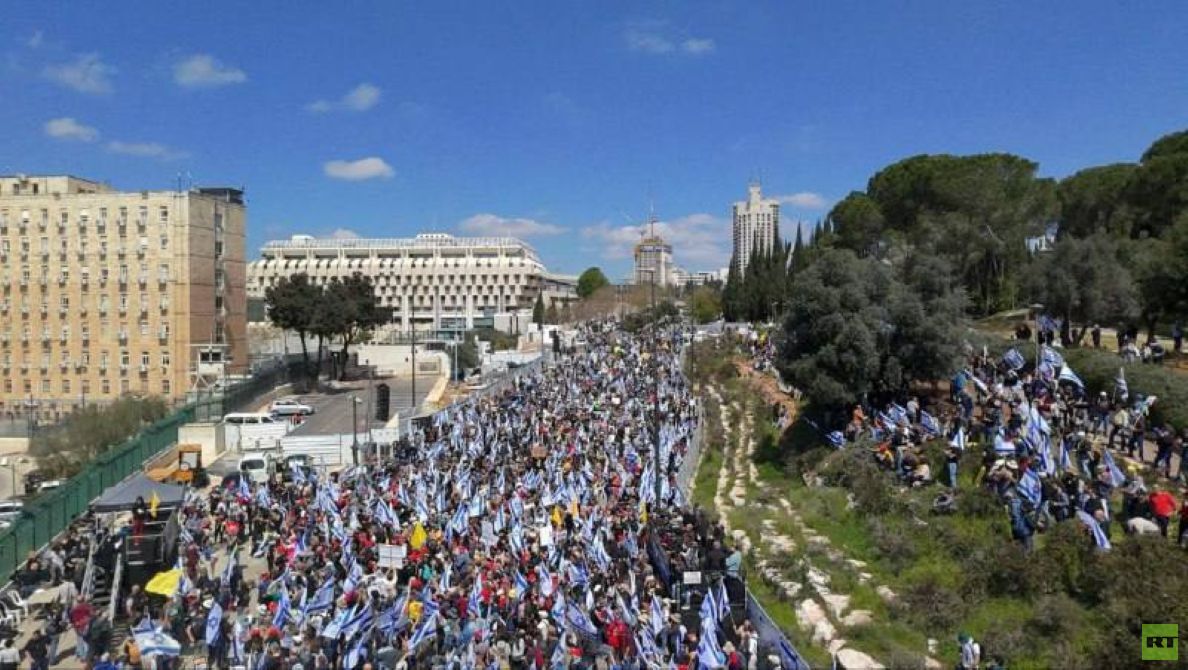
x: 35, y: 40
x: 364, y: 168
x: 66, y: 128
x: 204, y: 71
x: 145, y: 150
x: 698, y: 45
x: 359, y: 99
x: 658, y: 37
x: 86, y: 74
x: 804, y: 200
x: 344, y: 234
x: 698, y: 240
x: 638, y: 40
x: 492, y: 225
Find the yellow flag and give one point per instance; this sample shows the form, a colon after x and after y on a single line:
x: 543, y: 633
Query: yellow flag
x: 643, y: 512
x: 154, y: 501
x: 573, y: 508
x: 164, y: 583
x: 556, y: 515
x: 418, y: 537
x: 414, y: 611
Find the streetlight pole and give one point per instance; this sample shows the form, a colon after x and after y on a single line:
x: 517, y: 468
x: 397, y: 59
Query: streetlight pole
x: 660, y: 469
x: 355, y: 429
x: 414, y: 368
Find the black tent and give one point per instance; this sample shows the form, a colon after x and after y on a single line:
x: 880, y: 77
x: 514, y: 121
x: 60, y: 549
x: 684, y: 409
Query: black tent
x: 122, y: 496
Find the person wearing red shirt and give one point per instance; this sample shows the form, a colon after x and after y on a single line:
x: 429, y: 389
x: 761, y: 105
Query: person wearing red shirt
x: 1163, y: 505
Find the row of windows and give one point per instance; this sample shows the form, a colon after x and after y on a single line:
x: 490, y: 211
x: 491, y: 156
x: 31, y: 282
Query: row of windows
x: 66, y: 388
x: 23, y: 218
x: 125, y: 358
x: 416, y: 280
x: 387, y: 262
x: 122, y: 272
x: 82, y: 247
x: 26, y: 332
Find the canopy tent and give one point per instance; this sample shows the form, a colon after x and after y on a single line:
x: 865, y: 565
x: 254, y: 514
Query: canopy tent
x: 122, y: 496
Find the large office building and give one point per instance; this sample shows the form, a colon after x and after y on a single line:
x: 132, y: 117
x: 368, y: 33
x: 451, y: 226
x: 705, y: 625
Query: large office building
x: 434, y: 282
x: 756, y: 225
x: 108, y: 292
x: 653, y: 260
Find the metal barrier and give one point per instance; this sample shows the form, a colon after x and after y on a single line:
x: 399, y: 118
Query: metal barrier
x: 49, y: 514
x: 772, y: 640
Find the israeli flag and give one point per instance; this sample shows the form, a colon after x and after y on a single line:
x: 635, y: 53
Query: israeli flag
x: 1031, y: 488
x: 1120, y: 386
x: 1067, y: 375
x: 157, y: 643
x: 1003, y: 447
x: 1051, y: 356
x: 357, y: 653
x: 1013, y: 359
x: 323, y: 599
x: 577, y: 621
x: 237, y: 651
x: 522, y: 585
x: 709, y: 654
x: 213, y: 619
x: 709, y: 607
x: 929, y: 423
x: 545, y: 581
x: 1099, y: 536
x: 282, y: 609
x: 837, y: 439
x: 723, y: 601
x: 425, y: 630
x: 1116, y: 476
x: 1065, y: 460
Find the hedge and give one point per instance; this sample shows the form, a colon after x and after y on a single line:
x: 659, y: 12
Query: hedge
x: 1098, y: 369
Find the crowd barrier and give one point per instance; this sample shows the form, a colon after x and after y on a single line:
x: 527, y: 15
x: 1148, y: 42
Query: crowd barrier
x: 772, y: 640
x: 47, y: 515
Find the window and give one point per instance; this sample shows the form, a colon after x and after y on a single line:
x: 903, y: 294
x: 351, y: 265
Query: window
x: 123, y: 302
x: 164, y: 215
x: 144, y: 328
x: 85, y: 331
x: 164, y: 242
x: 24, y: 245
x: 86, y: 386
x: 163, y: 273
x: 43, y: 245
x: 8, y: 386
x: 86, y: 358
x: 28, y: 386
x: 65, y: 387
x: 165, y: 359
x: 144, y: 358
x: 103, y: 359
x: 45, y: 386
x: 124, y: 358
x: 45, y: 360
x: 166, y: 387
x: 65, y: 334
x: 105, y: 386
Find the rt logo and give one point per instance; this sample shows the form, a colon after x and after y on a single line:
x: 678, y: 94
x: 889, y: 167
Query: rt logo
x: 1161, y: 642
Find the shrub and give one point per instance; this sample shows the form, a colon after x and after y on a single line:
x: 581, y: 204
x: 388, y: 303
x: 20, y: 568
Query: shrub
x: 931, y: 606
x: 1098, y: 369
x: 897, y: 548
x: 979, y: 503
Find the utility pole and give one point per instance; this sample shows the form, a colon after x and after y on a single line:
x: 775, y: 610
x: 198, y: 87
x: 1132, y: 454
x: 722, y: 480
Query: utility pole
x: 656, y: 398
x: 414, y: 368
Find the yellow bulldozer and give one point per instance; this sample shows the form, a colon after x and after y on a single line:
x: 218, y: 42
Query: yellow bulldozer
x: 180, y: 464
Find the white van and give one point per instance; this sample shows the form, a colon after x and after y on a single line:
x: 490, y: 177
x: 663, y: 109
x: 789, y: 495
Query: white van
x: 256, y: 467
x: 248, y: 418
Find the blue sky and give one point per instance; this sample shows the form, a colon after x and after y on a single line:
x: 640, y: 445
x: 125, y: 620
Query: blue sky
x: 557, y: 120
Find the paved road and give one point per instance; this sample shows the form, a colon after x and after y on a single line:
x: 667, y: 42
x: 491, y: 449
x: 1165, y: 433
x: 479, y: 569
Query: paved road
x: 10, y: 487
x: 333, y: 412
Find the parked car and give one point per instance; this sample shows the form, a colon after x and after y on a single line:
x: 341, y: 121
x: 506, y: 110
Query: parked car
x: 33, y: 478
x: 10, y: 509
x: 47, y: 486
x: 296, y: 462
x: 289, y: 407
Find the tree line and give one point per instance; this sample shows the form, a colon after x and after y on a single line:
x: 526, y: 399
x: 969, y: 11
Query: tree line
x: 879, y: 295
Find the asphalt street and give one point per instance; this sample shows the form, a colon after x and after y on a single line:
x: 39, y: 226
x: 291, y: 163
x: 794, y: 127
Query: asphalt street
x: 333, y: 411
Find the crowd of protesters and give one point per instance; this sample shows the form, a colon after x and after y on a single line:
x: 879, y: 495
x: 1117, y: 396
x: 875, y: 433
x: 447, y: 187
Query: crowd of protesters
x: 520, y: 530
x: 1049, y: 450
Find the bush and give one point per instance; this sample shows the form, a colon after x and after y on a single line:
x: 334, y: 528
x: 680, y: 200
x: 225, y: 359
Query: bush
x: 1098, y: 368
x: 931, y: 606
x: 979, y: 503
x: 895, y: 546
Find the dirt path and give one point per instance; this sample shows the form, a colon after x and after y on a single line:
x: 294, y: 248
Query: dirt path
x: 768, y: 387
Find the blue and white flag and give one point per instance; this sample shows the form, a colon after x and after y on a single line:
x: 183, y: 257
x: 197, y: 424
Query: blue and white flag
x: 282, y: 609
x: 1013, y: 359
x: 237, y: 652
x: 837, y: 439
x: 1004, y: 447
x: 323, y: 598
x: 709, y: 654
x: 577, y: 621
x: 357, y: 653
x: 1099, y: 536
x: 929, y: 423
x: 522, y: 586
x: 1120, y: 386
x: 213, y: 621
x: 1031, y: 488
x: 1051, y: 356
x: 1116, y: 476
x: 709, y: 606
x: 424, y: 630
x: 1065, y: 461
x: 157, y: 643
x: 657, y: 616
x: 1067, y: 375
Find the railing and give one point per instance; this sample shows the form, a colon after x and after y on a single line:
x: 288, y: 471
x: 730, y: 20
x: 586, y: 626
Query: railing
x: 116, y: 576
x: 771, y: 638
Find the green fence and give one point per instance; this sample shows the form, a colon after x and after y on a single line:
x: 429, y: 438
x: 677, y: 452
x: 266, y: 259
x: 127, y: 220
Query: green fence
x: 49, y: 514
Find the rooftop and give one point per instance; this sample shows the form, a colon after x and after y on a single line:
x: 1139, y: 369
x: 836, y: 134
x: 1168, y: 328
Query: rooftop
x: 422, y: 241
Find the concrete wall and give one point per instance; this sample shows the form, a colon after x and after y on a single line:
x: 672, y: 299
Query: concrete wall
x: 396, y: 360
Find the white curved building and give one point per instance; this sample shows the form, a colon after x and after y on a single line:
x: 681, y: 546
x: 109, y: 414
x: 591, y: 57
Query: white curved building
x: 434, y: 281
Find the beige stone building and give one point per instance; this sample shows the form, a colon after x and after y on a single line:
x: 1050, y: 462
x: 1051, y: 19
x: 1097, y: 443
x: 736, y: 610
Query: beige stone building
x: 106, y: 292
x: 756, y: 226
x: 433, y: 282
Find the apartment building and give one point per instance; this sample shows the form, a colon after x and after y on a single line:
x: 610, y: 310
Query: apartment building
x: 756, y: 226
x: 433, y: 282
x: 106, y: 292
